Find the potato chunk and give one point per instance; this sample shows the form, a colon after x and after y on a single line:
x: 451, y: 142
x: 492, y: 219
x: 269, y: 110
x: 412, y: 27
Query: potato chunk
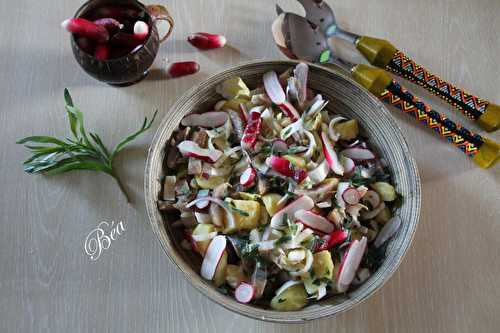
x: 323, y: 265
x: 209, y: 183
x: 292, y: 299
x: 270, y: 201
x: 348, y: 130
x: 251, y: 214
x: 203, y: 229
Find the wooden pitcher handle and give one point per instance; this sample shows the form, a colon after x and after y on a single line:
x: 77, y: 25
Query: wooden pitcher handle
x: 160, y: 13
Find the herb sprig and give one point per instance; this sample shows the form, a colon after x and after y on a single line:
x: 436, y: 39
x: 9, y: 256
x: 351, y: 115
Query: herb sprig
x: 83, y: 151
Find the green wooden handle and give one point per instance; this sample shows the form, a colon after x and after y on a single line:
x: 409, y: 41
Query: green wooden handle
x: 383, y: 54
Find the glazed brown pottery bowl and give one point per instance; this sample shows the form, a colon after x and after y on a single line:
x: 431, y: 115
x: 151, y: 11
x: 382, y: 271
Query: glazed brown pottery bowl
x: 346, y: 98
x: 132, y: 66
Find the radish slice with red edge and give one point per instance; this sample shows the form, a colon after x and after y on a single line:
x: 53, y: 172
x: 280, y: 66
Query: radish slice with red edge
x: 247, y: 177
x: 389, y: 230
x: 212, y: 257
x: 304, y: 202
x: 351, y: 196
x: 300, y: 73
x: 141, y: 29
x: 285, y: 168
x: 350, y: 264
x: 244, y: 293
x: 347, y: 164
x: 331, y: 156
x: 252, y: 130
x: 279, y: 146
x: 341, y: 188
x: 182, y: 68
x: 335, y: 238
x: 289, y: 110
x: 192, y: 149
x: 210, y: 119
x: 314, y: 221
x: 358, y: 154
x: 206, y: 41
x: 273, y: 88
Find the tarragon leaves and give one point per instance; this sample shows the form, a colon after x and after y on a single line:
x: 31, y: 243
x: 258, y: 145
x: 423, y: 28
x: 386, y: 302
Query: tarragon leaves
x: 83, y: 151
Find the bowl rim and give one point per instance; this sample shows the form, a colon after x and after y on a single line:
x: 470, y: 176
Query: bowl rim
x: 205, y: 287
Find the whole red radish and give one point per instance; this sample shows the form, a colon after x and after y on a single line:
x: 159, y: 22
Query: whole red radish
x: 111, y: 25
x: 141, y: 29
x: 102, y: 51
x: 85, y: 28
x: 206, y: 41
x: 178, y: 69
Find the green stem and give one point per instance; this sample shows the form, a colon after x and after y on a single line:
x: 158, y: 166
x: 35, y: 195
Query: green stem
x: 120, y: 185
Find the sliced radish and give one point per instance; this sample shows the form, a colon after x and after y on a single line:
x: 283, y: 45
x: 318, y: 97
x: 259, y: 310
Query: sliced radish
x: 373, y: 198
x: 319, y: 174
x: 362, y: 190
x: 141, y: 29
x: 348, y: 165
x: 341, y: 188
x: 191, y: 149
x: 351, y: 196
x: 285, y: 168
x: 273, y: 88
x: 335, y: 238
x: 86, y: 28
x: 358, y: 154
x: 350, y: 264
x: 289, y: 110
x: 389, y: 230
x: 206, y: 41
x: 244, y: 112
x: 202, y: 194
x: 252, y: 130
x: 287, y: 285
x: 212, y: 257
x: 279, y: 146
x: 182, y: 68
x: 314, y: 221
x: 111, y: 25
x: 247, y: 178
x: 244, y: 293
x: 304, y: 202
x: 210, y: 119
x: 331, y: 155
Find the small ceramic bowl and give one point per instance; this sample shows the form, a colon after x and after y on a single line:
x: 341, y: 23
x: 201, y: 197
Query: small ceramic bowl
x: 130, y: 67
x: 346, y: 98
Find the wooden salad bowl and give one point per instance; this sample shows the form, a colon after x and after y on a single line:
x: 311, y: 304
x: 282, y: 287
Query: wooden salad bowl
x: 346, y: 98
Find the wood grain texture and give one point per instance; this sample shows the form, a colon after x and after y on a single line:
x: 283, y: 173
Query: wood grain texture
x: 448, y: 282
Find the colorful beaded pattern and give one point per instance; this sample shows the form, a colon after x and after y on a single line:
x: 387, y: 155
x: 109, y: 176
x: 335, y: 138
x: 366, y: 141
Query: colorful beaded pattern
x: 461, y: 137
x: 470, y: 105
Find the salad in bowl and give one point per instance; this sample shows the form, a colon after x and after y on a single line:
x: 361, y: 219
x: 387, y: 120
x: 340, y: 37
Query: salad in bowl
x: 284, y: 202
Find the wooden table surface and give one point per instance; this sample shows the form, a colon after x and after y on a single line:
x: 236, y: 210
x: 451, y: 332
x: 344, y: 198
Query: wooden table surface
x: 448, y: 282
